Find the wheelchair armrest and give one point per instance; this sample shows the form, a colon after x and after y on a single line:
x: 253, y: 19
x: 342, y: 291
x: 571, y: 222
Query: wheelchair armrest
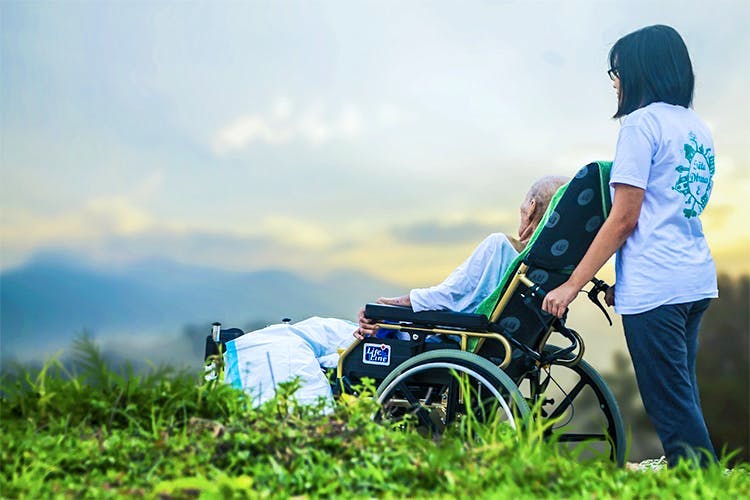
x: 399, y: 314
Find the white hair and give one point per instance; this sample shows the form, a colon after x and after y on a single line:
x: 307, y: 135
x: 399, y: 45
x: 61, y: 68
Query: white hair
x: 542, y: 192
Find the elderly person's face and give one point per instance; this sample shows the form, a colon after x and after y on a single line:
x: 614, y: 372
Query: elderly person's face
x: 528, y: 207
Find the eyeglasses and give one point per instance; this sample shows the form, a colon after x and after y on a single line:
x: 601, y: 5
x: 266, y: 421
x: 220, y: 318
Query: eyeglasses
x: 614, y: 73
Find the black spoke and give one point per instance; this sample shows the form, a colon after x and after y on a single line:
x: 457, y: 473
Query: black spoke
x: 416, y: 407
x: 450, y: 411
x: 577, y: 438
x: 428, y: 399
x: 568, y: 400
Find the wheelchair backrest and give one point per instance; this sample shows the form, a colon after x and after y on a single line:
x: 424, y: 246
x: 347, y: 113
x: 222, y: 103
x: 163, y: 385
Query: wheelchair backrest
x: 563, y: 236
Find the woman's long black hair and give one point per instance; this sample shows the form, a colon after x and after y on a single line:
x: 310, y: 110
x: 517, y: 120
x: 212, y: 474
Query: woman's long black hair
x: 653, y: 65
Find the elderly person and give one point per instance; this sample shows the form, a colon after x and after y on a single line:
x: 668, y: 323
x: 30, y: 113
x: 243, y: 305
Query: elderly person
x: 259, y: 361
x: 479, y: 275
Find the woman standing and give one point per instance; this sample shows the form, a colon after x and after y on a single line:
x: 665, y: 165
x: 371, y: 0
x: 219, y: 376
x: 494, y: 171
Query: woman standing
x: 661, y: 178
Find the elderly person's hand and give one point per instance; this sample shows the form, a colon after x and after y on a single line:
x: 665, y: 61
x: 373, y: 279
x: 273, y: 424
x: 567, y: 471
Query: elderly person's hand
x: 367, y: 326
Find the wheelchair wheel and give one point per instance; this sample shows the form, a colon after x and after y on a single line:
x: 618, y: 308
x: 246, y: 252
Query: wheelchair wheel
x: 437, y: 388
x: 584, y: 407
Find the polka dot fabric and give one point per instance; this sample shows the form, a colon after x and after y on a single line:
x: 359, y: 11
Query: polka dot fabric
x: 572, y: 221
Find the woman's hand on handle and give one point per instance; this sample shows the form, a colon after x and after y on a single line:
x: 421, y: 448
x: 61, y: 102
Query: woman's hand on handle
x: 557, y: 301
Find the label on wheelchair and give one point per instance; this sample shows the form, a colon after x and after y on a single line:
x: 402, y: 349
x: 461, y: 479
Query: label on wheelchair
x: 376, y: 354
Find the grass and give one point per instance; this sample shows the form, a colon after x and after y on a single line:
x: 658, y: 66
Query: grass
x: 88, y: 431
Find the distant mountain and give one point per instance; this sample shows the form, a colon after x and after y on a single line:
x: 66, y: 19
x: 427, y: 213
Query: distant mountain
x: 45, y: 303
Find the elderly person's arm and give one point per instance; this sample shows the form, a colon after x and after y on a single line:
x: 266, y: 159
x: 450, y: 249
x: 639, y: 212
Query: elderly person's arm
x: 462, y: 291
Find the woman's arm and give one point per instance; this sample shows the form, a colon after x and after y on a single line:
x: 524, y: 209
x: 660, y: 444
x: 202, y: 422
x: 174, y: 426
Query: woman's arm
x: 626, y: 208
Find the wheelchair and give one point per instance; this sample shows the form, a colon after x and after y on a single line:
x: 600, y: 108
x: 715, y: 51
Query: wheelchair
x: 434, y: 368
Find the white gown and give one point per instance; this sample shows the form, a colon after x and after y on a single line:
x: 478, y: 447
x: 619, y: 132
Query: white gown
x: 471, y: 282
x: 258, y: 361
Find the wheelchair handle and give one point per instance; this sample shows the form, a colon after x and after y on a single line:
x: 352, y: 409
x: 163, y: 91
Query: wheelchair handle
x: 216, y: 332
x: 599, y: 285
x: 593, y: 295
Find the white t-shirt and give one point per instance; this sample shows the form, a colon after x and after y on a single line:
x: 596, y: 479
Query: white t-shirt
x: 668, y: 151
x: 475, y: 279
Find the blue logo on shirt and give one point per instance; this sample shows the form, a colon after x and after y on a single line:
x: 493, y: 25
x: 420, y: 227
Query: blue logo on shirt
x: 696, y: 179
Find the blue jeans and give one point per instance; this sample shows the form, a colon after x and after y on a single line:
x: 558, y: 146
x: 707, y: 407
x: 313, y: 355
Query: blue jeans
x: 663, y: 344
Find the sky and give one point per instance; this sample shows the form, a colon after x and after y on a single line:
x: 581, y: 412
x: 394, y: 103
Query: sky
x: 388, y: 137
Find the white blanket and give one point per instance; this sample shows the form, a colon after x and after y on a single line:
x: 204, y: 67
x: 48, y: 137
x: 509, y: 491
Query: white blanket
x: 260, y: 360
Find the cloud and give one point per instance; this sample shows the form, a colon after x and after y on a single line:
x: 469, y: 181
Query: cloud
x: 198, y: 247
x: 283, y: 124
x: 101, y: 216
x: 247, y: 129
x: 296, y: 233
x: 111, y: 233
x: 116, y: 230
x: 24, y: 229
x: 435, y: 232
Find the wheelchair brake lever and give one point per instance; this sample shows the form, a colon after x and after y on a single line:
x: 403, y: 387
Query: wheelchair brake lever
x: 593, y: 294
